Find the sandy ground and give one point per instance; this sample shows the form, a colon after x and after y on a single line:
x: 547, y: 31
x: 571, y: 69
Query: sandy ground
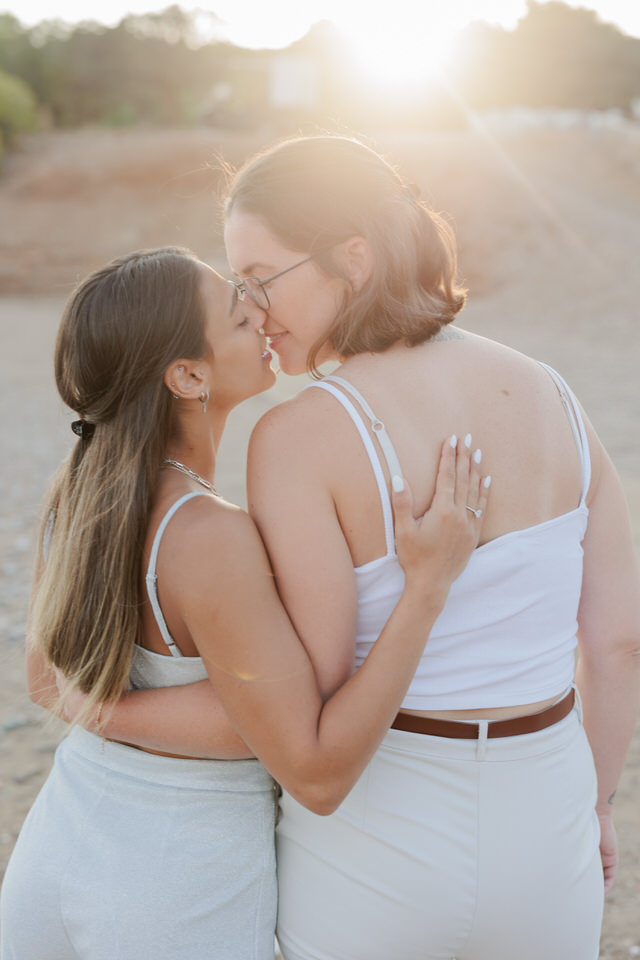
x: 549, y: 225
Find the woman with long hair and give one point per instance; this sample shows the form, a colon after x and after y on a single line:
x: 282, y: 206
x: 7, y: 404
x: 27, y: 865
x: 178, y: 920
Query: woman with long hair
x: 147, y: 578
x: 482, y: 828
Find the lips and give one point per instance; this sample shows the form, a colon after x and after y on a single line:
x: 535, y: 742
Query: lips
x: 274, y: 340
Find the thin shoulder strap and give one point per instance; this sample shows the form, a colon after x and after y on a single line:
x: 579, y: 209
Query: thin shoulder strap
x: 151, y: 578
x: 577, y: 425
x: 392, y: 461
x: 376, y: 425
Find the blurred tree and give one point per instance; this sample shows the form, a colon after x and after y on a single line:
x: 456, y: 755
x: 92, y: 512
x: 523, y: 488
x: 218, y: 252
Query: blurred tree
x: 558, y: 56
x: 145, y: 68
x: 159, y: 68
x: 17, y: 108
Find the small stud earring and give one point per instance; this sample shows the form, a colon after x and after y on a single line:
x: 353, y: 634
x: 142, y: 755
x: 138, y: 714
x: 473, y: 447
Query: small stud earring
x: 204, y: 400
x: 261, y: 331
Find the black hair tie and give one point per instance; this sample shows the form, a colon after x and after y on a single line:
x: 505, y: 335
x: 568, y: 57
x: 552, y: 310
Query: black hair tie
x: 84, y: 429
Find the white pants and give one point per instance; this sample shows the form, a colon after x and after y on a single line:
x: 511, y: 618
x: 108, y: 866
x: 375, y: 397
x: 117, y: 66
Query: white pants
x: 478, y: 850
x: 128, y: 856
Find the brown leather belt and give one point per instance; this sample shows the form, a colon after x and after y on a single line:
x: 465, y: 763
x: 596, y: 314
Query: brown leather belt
x: 497, y: 728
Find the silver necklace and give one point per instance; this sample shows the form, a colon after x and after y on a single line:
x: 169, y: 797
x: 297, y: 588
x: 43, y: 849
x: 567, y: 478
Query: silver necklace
x: 176, y: 465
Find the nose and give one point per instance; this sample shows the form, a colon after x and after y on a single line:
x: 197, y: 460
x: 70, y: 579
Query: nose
x: 255, y: 314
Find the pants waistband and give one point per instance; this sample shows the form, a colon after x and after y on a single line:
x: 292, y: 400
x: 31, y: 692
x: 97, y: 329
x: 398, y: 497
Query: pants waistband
x: 217, y: 775
x: 516, y: 726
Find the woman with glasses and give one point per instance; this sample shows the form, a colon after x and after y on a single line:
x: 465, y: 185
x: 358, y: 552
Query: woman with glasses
x: 147, y: 577
x: 482, y: 827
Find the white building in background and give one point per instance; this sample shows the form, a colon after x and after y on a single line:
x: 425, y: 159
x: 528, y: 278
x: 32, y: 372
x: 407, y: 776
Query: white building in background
x: 293, y: 83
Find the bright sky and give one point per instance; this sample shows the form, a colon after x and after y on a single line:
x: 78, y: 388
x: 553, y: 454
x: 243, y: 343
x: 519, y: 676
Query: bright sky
x: 416, y: 39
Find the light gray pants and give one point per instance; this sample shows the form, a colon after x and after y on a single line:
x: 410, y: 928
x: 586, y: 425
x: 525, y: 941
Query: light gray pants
x: 128, y: 856
x: 478, y: 850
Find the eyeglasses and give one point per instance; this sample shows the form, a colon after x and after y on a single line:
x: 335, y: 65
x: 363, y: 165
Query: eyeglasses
x: 255, y: 288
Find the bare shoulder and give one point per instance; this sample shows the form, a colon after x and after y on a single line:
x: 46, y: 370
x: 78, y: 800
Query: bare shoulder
x: 209, y: 537
x: 296, y: 412
x: 493, y: 350
x: 601, y: 464
x: 297, y: 429
x: 503, y: 364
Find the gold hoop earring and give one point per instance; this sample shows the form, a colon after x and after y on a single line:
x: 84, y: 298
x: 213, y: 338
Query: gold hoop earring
x: 204, y: 400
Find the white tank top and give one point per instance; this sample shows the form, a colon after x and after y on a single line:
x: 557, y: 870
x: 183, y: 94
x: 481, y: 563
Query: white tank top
x: 507, y: 633
x: 149, y: 669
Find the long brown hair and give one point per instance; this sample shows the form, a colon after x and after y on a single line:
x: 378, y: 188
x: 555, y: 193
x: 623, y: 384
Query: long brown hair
x: 315, y: 192
x: 120, y: 330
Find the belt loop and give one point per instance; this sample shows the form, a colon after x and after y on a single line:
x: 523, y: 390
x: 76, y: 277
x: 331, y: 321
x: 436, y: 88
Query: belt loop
x: 483, y: 731
x: 578, y: 702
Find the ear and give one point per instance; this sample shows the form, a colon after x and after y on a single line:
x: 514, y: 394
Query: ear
x: 187, y: 379
x: 358, y: 261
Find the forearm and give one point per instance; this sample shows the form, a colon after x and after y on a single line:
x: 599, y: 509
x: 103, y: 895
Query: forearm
x: 330, y: 755
x: 318, y: 750
x: 187, y: 720
x: 610, y: 691
x: 380, y: 685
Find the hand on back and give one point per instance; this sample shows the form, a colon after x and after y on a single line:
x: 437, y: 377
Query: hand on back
x: 434, y: 549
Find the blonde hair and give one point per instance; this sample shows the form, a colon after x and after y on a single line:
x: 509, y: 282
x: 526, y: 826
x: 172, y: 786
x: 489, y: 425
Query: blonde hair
x: 315, y: 192
x: 120, y: 330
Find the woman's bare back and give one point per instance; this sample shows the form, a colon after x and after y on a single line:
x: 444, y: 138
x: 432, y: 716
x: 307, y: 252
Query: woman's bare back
x: 462, y: 384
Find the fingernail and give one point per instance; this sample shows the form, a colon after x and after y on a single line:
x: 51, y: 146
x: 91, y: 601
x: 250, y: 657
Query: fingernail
x: 397, y: 483
x: 477, y: 457
x: 454, y: 441
x: 467, y: 441
x: 487, y: 482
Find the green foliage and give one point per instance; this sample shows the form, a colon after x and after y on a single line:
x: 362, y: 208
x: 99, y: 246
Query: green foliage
x: 558, y: 57
x: 155, y: 68
x: 17, y: 107
x: 146, y: 68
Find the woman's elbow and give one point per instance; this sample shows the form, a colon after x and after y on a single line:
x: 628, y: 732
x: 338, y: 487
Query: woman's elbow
x: 619, y: 663
x: 320, y: 796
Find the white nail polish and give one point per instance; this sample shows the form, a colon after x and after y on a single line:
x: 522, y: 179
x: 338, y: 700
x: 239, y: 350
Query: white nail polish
x: 397, y: 483
x: 477, y: 457
x: 467, y: 441
x: 487, y: 483
x: 454, y: 441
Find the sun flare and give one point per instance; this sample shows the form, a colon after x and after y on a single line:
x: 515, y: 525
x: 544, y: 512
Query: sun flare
x: 399, y: 60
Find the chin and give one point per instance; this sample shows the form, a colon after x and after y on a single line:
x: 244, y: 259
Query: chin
x: 267, y: 381
x: 293, y: 367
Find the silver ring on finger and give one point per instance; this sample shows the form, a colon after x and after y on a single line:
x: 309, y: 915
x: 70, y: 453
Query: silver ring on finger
x: 477, y: 513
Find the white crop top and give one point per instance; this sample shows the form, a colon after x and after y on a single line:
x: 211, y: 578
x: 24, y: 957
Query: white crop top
x: 507, y: 633
x: 149, y: 669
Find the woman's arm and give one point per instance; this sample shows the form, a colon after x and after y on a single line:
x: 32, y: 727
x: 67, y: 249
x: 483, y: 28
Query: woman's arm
x: 608, y: 674
x: 187, y: 721
x: 263, y: 674
x: 261, y: 671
